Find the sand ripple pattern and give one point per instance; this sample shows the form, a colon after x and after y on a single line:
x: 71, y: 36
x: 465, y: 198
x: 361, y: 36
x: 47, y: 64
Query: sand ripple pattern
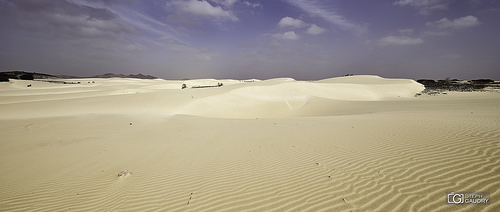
x: 389, y: 167
x: 296, y: 148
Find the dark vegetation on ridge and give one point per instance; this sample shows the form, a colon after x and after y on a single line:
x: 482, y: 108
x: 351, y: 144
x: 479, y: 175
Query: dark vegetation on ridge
x: 22, y: 75
x: 433, y: 87
x: 138, y: 76
x: 4, y: 77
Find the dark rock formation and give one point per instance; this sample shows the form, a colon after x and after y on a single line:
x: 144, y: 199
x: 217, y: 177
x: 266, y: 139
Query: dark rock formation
x: 433, y: 87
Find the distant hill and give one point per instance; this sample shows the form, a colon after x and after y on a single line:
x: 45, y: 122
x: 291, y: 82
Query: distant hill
x: 4, y: 76
x: 24, y: 75
x: 138, y: 76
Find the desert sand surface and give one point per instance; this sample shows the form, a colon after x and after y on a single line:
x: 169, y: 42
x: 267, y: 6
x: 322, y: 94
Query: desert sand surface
x: 357, y: 143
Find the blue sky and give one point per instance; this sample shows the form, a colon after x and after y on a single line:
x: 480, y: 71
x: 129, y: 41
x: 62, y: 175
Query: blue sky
x: 303, y: 39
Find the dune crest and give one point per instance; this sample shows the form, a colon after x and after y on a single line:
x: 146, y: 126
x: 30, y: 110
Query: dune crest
x: 285, y: 97
x: 280, y: 97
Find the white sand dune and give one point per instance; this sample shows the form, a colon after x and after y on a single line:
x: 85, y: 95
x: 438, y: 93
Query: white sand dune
x: 285, y: 97
x: 359, y: 143
x: 237, y: 99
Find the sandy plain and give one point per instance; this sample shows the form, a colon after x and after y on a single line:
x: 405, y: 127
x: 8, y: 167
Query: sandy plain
x: 358, y: 143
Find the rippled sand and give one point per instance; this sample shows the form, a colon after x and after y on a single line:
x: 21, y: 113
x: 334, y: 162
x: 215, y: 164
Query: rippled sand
x: 360, y: 143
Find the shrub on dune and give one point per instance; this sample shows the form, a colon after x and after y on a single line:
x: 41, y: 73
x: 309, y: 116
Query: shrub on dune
x: 27, y: 77
x: 4, y: 78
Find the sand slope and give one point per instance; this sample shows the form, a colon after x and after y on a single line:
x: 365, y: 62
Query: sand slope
x: 237, y: 99
x: 360, y: 143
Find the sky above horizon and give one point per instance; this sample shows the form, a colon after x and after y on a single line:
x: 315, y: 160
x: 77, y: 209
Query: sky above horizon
x: 244, y: 39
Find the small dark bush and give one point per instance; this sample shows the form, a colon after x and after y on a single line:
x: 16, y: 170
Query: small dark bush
x: 426, y: 81
x: 27, y: 77
x: 443, y: 82
x: 482, y: 81
x: 4, y: 77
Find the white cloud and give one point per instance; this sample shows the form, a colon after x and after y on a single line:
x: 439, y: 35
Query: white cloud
x: 230, y: 3
x: 458, y: 23
x: 315, y: 30
x: 399, y: 41
x: 250, y: 4
x: 312, y: 29
x: 291, y: 22
x: 227, y: 3
x: 318, y: 9
x: 65, y: 20
x: 406, y: 31
x: 419, y: 3
x: 436, y: 33
x: 202, y: 8
x: 424, y: 6
x: 290, y: 35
